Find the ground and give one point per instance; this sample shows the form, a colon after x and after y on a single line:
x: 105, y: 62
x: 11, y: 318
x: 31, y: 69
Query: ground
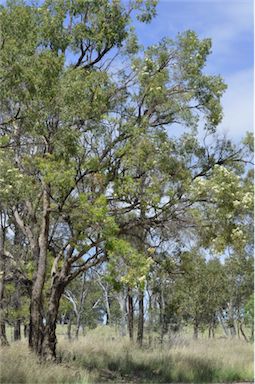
x: 103, y: 356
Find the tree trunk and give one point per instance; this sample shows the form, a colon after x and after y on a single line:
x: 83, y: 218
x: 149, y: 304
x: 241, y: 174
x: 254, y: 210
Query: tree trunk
x: 150, y: 310
x: 40, y: 249
x: 123, y: 308
x: 3, y: 337
x: 36, y: 326
x: 252, y: 331
x: 162, y: 316
x: 107, y: 306
x: 17, y: 331
x: 242, y: 332
x: 80, y: 307
x: 78, y: 324
x: 140, y: 319
x: 50, y: 339
x: 223, y: 325
x: 130, y: 314
x: 69, y: 328
x: 195, y: 329
x: 26, y: 331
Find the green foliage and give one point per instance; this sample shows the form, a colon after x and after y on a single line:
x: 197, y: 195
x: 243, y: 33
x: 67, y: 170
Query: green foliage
x: 126, y: 264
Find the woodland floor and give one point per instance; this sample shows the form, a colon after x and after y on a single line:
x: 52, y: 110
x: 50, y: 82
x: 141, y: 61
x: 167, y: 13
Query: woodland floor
x: 101, y: 356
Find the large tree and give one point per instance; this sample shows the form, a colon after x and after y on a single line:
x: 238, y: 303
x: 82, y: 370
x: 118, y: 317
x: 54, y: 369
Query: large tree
x: 85, y: 154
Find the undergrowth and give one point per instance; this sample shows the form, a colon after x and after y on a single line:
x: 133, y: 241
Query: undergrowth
x: 99, y: 357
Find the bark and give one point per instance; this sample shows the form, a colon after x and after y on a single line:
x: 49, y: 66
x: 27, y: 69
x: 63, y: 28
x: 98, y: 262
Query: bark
x: 26, y: 331
x: 252, y: 331
x: 123, y: 308
x: 130, y: 314
x: 140, y: 319
x: 195, y: 329
x: 150, y: 318
x: 3, y: 337
x: 17, y: 330
x: 223, y: 325
x: 69, y: 328
x: 80, y: 307
x: 242, y: 332
x: 231, y: 321
x: 50, y: 339
x: 36, y: 327
x: 162, y: 316
x: 107, y: 306
x: 78, y: 325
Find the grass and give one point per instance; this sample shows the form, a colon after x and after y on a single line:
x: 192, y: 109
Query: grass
x: 101, y: 357
x: 19, y: 365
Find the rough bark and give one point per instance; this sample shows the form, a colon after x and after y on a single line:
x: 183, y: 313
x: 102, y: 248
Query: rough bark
x: 17, y: 330
x: 50, y: 339
x: 3, y: 337
x: 130, y: 314
x: 140, y: 319
x: 36, y: 327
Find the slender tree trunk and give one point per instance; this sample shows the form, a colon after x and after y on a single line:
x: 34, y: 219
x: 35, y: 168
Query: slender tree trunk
x: 69, y: 328
x: 25, y: 331
x: 123, y: 308
x: 223, y: 325
x: 150, y: 318
x: 3, y: 337
x: 80, y: 308
x: 195, y: 329
x: 107, y: 306
x: 242, y: 332
x: 78, y: 325
x: 140, y: 319
x: 17, y: 330
x: 252, y: 331
x: 162, y: 316
x: 130, y: 314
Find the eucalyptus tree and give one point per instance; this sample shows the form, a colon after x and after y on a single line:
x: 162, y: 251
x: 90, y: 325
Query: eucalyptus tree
x: 85, y: 154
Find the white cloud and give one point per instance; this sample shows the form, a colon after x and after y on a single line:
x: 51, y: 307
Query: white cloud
x: 238, y: 104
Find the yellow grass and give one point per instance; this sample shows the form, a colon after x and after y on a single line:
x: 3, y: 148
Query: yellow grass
x: 102, y: 356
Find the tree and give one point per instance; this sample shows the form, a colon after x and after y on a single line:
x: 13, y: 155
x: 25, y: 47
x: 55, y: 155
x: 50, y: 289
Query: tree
x: 80, y: 139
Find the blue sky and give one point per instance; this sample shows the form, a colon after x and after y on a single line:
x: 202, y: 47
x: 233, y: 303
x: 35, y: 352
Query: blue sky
x: 229, y: 23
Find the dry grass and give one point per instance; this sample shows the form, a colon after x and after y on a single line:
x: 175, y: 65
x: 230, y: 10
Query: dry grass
x: 19, y: 365
x: 101, y: 356
x: 115, y: 359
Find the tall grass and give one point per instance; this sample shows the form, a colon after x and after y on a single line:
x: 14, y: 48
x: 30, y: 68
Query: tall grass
x: 18, y: 365
x: 186, y: 360
x: 101, y: 357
